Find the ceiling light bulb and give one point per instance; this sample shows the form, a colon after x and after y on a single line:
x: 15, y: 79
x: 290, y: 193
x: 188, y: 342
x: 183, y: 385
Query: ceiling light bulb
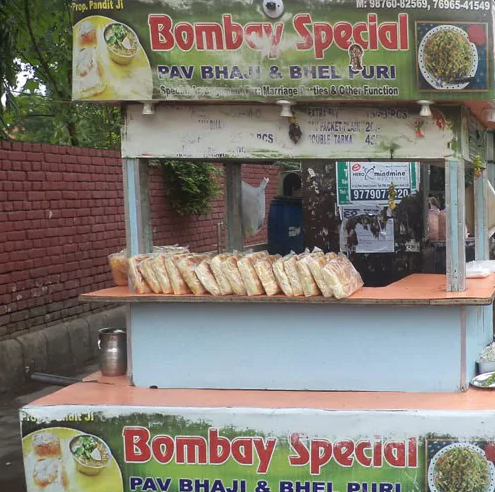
x: 490, y: 115
x: 425, y: 111
x: 286, y: 111
x: 148, y: 108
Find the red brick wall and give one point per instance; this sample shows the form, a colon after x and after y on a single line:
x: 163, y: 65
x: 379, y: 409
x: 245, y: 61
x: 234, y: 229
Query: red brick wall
x: 200, y: 233
x: 62, y: 214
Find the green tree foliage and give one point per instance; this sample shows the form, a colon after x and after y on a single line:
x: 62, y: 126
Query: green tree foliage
x: 8, y: 35
x: 32, y: 119
x: 190, y: 186
x: 39, y: 35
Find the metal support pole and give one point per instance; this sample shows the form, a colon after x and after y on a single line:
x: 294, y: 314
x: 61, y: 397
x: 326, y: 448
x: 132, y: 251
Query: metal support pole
x: 137, y: 207
x: 425, y: 190
x: 490, y: 150
x: 233, y: 198
x: 490, y: 172
x: 137, y: 226
x: 481, y: 217
x: 456, y: 220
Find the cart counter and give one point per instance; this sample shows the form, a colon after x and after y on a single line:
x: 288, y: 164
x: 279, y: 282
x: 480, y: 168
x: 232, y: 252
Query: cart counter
x: 409, y: 336
x: 416, y: 289
x: 258, y: 441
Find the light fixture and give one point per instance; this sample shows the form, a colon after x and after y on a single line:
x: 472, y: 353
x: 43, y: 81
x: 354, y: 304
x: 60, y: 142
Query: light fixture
x: 286, y: 111
x: 425, y: 111
x: 489, y: 114
x: 148, y: 108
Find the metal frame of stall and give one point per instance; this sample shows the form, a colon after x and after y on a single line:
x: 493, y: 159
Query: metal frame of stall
x: 138, y: 226
x: 474, y: 322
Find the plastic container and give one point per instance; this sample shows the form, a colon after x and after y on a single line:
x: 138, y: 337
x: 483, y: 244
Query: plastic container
x: 482, y: 264
x: 285, y: 226
x: 112, y: 356
x: 487, y: 366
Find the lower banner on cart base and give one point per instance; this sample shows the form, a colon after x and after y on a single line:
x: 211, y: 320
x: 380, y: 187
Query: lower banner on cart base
x: 123, y: 449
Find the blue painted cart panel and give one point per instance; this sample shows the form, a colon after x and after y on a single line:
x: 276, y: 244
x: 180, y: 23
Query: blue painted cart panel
x: 307, y: 347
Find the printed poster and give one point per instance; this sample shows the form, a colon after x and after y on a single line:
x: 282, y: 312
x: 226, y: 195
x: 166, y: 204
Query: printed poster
x: 238, y: 50
x: 369, y: 182
x: 143, y: 449
x: 365, y: 229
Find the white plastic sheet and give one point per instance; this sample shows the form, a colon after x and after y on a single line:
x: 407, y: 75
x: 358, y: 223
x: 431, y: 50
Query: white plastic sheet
x: 253, y: 207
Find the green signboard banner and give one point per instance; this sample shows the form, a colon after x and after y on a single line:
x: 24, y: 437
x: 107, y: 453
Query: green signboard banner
x: 273, y: 49
x: 112, y: 449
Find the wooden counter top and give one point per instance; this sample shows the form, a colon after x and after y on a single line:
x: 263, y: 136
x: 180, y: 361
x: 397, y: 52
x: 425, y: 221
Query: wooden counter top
x: 416, y: 289
x: 118, y: 392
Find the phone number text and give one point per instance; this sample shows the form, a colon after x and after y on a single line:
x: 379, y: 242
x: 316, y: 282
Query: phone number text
x: 367, y: 194
x: 425, y: 4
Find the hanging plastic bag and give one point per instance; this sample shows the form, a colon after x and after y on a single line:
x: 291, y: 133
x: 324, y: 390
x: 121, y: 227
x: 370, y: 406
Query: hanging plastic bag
x: 433, y: 223
x: 442, y: 226
x: 253, y: 208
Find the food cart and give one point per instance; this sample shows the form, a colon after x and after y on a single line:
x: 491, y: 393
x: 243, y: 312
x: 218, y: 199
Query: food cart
x: 273, y: 393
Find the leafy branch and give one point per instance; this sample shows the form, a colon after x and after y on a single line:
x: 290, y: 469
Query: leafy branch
x: 189, y: 186
x: 41, y: 58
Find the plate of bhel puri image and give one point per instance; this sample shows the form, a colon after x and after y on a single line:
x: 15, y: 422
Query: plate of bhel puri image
x: 60, y: 459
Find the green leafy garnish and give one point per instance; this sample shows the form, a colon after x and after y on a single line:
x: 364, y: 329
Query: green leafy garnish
x: 115, y: 37
x: 488, y: 381
x: 85, y: 445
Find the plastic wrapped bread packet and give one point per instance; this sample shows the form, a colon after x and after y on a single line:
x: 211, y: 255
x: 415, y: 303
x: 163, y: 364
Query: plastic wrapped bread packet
x: 309, y: 286
x: 231, y: 271
x: 119, y: 268
x: 341, y: 276
x: 282, y: 277
x: 253, y: 284
x: 158, y: 263
x: 148, y: 271
x: 171, y: 250
x: 250, y: 273
x: 220, y: 277
x: 187, y: 267
x: 290, y: 266
x: 264, y: 268
x: 207, y: 278
x: 179, y: 285
x: 316, y: 268
x: 138, y: 284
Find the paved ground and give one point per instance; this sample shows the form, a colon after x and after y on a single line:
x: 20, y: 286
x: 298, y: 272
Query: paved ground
x: 11, y: 469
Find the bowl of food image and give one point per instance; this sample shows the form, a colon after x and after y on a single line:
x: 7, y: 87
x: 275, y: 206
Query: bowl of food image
x: 91, y: 455
x: 447, y: 59
x: 461, y: 467
x: 121, y: 41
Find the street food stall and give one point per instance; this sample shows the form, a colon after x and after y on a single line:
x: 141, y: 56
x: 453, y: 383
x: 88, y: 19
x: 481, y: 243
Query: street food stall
x: 366, y: 390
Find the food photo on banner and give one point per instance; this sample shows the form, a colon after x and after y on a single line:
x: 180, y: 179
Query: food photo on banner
x: 452, y: 56
x: 109, y: 61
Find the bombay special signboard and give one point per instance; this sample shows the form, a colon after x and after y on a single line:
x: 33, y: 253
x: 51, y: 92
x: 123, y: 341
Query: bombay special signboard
x: 142, y: 449
x: 272, y: 49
